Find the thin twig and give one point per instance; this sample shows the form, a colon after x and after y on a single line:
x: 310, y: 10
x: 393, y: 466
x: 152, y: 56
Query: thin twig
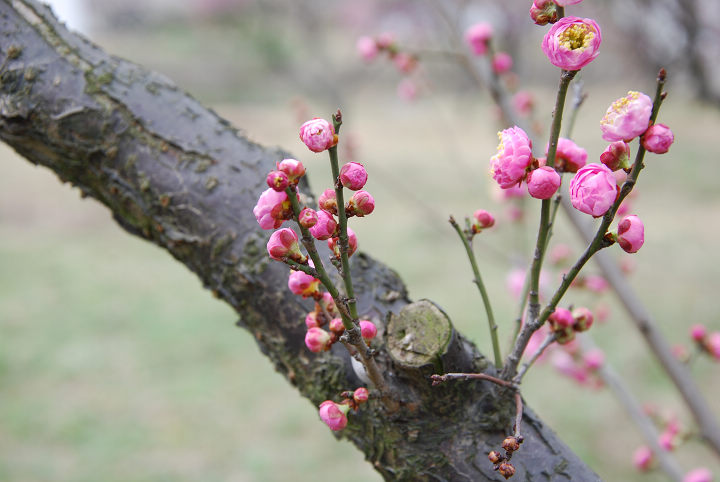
x: 546, y: 343
x: 438, y: 379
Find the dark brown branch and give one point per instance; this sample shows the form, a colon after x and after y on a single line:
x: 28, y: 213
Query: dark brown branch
x: 174, y: 173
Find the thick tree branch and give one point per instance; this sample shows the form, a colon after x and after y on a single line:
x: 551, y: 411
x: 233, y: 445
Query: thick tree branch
x: 174, y: 173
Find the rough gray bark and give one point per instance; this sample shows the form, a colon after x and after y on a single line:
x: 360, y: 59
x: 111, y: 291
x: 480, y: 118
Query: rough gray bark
x: 174, y: 173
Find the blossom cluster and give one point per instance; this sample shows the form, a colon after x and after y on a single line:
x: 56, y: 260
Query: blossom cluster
x: 335, y: 414
x: 369, y: 48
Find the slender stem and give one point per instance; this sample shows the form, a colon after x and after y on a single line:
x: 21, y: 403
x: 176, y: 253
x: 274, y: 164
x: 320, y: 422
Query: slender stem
x: 438, y: 379
x: 546, y: 343
x: 623, y: 395
x: 467, y: 242
x: 342, y: 223
x: 518, y: 414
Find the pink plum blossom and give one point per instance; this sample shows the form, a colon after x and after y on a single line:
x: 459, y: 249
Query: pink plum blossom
x: 698, y: 332
x: 277, y: 181
x: 311, y: 320
x: 334, y: 414
x: 308, y: 218
x: 327, y: 303
x: 593, y: 190
x: 564, y: 363
x: 368, y: 330
x: 367, y: 48
x: 407, y: 90
x: 583, y: 318
x: 698, y: 475
x: 334, y: 243
x: 353, y: 176
x: 404, y: 62
x: 325, y: 227
x: 385, y: 40
x: 631, y: 234
x: 523, y: 103
x: 478, y: 36
x: 560, y: 253
x: 616, y: 156
x: 572, y: 42
x: 594, y: 359
x: 318, y: 134
x: 658, y: 139
x: 272, y: 209
x: 514, y: 155
x: 483, y: 220
x: 328, y: 201
x: 317, y: 340
x: 543, y: 182
x: 569, y: 157
x: 562, y: 318
x: 293, y: 168
x: 713, y: 344
x: 336, y: 326
x: 643, y: 458
x: 627, y: 117
x: 502, y: 62
x: 360, y: 204
x: 283, y: 243
x: 303, y: 284
x: 361, y: 395
x: 596, y: 284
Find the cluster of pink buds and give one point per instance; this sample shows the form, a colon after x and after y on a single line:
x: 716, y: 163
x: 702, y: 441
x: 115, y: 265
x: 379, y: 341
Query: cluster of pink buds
x: 708, y: 343
x: 565, y: 323
x: 335, y: 414
x: 406, y: 63
x: 501, y: 461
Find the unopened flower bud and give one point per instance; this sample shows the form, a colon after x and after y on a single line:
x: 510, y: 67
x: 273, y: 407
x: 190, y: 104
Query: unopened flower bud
x: 643, y: 458
x: 367, y: 48
x: 502, y: 62
x: 361, y: 395
x: 311, y: 320
x: 405, y: 62
x: 293, y: 168
x: 368, y: 330
x: 698, y: 332
x: 510, y: 444
x: 483, y: 220
x: 617, y: 156
x: 317, y: 340
x: 360, y: 204
x: 658, y: 139
x: 303, y: 284
x: 334, y: 414
x: 712, y: 344
x: 631, y: 234
x: 353, y: 176
x: 523, y: 103
x: 543, y: 182
x: 334, y: 244
x: 308, y: 218
x: 336, y: 326
x: 594, y: 359
x: 277, y: 180
x: 593, y: 190
x: 325, y: 227
x: 506, y: 469
x: 318, y: 134
x: 283, y: 244
x: 328, y: 201
x: 327, y: 303
x: 496, y: 457
x: 583, y: 318
x: 543, y: 12
x: 478, y: 37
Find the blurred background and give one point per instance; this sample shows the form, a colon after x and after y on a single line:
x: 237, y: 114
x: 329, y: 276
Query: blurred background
x: 115, y: 365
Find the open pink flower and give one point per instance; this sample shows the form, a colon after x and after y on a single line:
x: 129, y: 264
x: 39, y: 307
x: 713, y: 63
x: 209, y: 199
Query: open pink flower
x: 272, y: 209
x: 593, y: 190
x: 334, y: 414
x: 514, y: 155
x: 658, y: 139
x: 317, y: 134
x: 325, y: 226
x: 478, y: 36
x: 572, y: 42
x: 627, y: 117
x: 283, y: 243
x: 303, y: 284
x: 631, y: 234
x: 569, y: 157
x: 543, y: 182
